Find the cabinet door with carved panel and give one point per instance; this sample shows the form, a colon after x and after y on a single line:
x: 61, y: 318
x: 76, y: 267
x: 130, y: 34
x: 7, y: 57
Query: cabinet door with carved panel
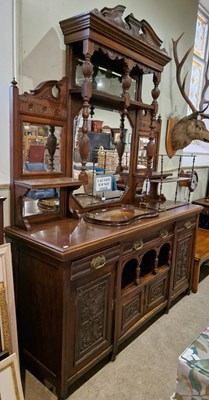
x: 184, y: 255
x: 143, y: 295
x: 156, y: 292
x: 92, y: 306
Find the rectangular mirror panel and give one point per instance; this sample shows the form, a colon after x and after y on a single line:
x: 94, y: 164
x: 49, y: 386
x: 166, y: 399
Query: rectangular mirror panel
x: 41, y: 148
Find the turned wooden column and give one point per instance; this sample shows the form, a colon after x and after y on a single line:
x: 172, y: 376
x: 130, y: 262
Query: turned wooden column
x: 151, y: 146
x: 51, y: 146
x: 120, y: 145
x: 84, y: 141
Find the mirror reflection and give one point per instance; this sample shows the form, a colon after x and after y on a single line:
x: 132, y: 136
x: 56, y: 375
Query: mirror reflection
x: 41, y: 148
x: 41, y: 202
x: 103, y: 169
x: 41, y: 154
x: 105, y: 80
x: 147, y: 87
x: 142, y: 152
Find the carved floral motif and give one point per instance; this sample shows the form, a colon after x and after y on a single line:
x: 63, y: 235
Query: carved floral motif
x: 92, y: 315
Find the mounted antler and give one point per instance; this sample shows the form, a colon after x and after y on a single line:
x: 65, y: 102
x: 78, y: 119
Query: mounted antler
x: 205, y: 87
x: 188, y: 128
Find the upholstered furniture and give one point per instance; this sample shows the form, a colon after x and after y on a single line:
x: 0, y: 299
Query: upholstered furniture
x: 193, y: 370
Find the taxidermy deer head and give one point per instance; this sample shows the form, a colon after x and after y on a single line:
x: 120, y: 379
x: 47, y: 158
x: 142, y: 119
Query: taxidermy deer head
x: 190, y: 127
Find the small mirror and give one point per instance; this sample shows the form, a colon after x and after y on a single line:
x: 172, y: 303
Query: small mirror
x: 142, y: 152
x: 147, y: 88
x: 41, y: 201
x: 103, y: 169
x: 105, y: 79
x: 41, y: 148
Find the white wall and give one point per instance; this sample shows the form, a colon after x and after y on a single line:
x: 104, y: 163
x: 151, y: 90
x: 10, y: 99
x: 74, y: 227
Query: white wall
x: 41, y: 51
x: 6, y: 75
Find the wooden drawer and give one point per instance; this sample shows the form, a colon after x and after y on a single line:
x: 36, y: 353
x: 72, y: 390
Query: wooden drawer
x: 94, y: 262
x: 186, y: 224
x: 138, y: 243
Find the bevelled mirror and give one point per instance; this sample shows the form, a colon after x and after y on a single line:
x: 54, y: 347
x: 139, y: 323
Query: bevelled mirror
x: 102, y: 167
x: 41, y: 148
x: 107, y: 75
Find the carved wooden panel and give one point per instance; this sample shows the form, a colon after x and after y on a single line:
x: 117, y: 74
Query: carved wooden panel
x: 156, y: 292
x: 183, y: 258
x: 93, y: 303
x: 132, y: 310
x: 43, y: 102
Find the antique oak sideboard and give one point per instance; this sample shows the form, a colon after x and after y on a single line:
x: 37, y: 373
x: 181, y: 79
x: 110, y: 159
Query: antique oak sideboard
x: 80, y: 293
x: 91, y: 265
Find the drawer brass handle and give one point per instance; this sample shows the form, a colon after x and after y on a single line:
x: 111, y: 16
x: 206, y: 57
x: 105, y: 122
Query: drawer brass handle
x: 138, y: 245
x: 187, y: 224
x: 163, y: 234
x: 98, y: 262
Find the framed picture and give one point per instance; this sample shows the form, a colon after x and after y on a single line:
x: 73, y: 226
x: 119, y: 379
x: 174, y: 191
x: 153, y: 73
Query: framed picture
x: 10, y: 383
x: 8, y: 324
x: 116, y: 135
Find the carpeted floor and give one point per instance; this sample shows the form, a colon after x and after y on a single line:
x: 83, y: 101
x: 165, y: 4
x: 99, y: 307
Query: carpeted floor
x: 146, y: 368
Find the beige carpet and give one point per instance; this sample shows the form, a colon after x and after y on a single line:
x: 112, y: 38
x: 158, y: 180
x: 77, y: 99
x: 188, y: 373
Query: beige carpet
x: 146, y: 369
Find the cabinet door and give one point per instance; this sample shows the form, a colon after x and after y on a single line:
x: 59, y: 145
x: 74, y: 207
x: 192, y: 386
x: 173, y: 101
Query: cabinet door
x: 183, y: 260
x: 92, y: 305
x: 131, y: 309
x: 136, y: 304
x: 156, y: 292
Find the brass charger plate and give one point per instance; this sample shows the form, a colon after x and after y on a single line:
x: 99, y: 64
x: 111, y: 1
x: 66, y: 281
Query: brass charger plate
x: 117, y: 216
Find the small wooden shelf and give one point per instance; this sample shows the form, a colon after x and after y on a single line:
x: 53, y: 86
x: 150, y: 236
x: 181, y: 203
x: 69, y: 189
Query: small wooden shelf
x: 48, y: 183
x: 22, y: 187
x: 107, y: 98
x: 169, y: 180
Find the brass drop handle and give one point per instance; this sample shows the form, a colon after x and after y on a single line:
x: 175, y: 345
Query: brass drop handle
x: 98, y: 262
x: 138, y: 244
x: 163, y: 234
x: 187, y: 224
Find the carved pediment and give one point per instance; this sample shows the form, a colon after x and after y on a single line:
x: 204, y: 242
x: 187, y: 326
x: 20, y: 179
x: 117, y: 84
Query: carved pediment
x: 115, y: 15
x: 138, y: 29
x: 47, y: 99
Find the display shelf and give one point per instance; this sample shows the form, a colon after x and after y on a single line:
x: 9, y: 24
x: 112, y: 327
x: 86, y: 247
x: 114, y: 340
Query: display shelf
x: 48, y: 183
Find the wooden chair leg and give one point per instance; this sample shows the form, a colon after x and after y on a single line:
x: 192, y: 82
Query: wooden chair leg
x: 196, y: 276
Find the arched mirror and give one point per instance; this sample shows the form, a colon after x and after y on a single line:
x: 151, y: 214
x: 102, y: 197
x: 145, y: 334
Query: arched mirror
x: 102, y: 167
x: 40, y: 140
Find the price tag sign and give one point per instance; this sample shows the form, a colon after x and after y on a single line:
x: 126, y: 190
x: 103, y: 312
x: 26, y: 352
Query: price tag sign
x: 102, y: 183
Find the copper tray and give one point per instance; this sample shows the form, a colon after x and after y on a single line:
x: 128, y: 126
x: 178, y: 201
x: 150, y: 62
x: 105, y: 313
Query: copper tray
x: 116, y: 216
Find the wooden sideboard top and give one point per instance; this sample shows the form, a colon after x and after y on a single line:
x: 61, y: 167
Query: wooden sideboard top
x: 202, y: 202
x: 64, y: 238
